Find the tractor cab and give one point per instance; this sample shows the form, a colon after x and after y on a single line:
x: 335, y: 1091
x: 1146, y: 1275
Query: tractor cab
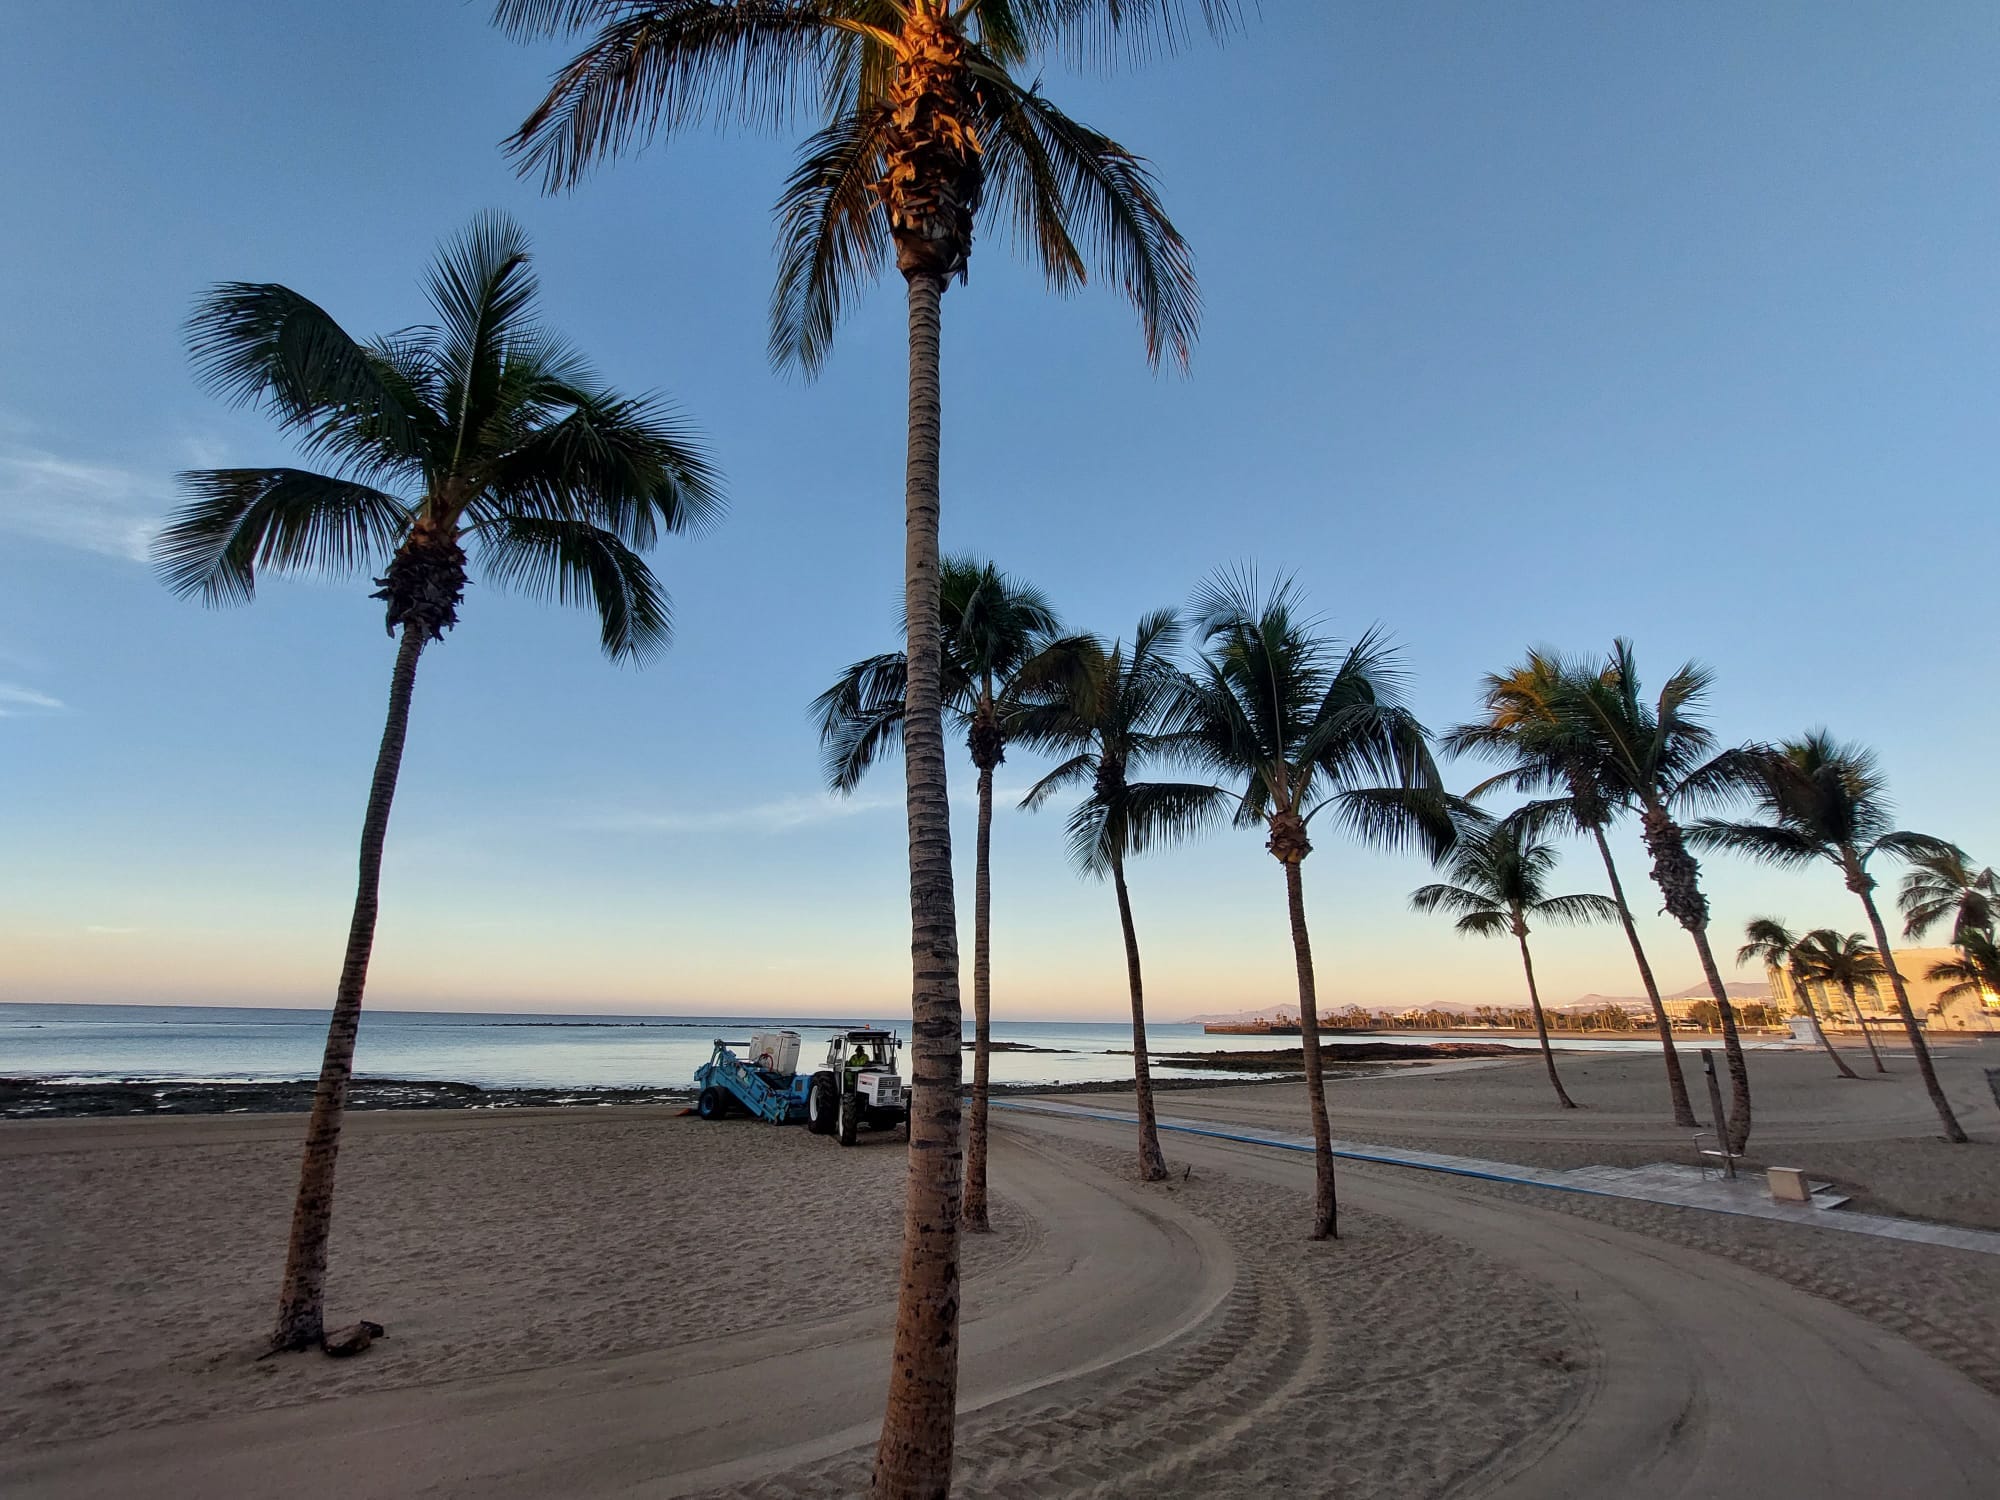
x: 858, y: 1085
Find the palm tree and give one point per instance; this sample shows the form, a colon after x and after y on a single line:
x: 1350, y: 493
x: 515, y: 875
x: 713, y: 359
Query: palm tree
x: 1104, y: 708
x: 1974, y: 975
x: 1941, y: 883
x: 1816, y: 798
x: 1654, y: 756
x: 483, y: 429
x: 1770, y: 942
x: 1309, y: 728
x: 1525, y: 722
x: 1501, y: 872
x: 991, y: 628
x: 924, y: 119
x: 1847, y: 960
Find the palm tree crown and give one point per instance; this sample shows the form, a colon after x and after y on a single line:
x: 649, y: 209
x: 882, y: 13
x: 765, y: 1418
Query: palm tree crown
x: 922, y: 123
x: 1974, y: 975
x: 1846, y: 959
x: 1814, y: 798
x: 482, y: 427
x: 1308, y: 727
x: 1941, y: 883
x: 991, y: 627
x: 1108, y: 708
x: 1769, y: 942
x: 1499, y: 877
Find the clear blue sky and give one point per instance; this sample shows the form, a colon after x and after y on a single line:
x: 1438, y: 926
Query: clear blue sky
x: 1525, y: 323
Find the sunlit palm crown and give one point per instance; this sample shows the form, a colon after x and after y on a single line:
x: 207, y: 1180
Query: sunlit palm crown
x: 1073, y: 199
x: 482, y: 427
x: 1106, y: 709
x: 1500, y: 871
x: 1974, y: 974
x: 1535, y: 723
x: 1306, y: 725
x: 990, y: 627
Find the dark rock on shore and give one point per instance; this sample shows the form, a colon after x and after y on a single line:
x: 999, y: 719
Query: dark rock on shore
x: 29, y: 1098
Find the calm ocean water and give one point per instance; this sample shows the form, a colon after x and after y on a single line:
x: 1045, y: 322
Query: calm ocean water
x: 96, y: 1043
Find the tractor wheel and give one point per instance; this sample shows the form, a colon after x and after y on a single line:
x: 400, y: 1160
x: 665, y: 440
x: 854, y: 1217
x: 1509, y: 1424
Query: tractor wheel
x: 850, y: 1118
x: 712, y: 1105
x: 822, y: 1105
x: 885, y: 1119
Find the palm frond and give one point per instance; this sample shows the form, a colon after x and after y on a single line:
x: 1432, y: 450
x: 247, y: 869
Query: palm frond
x: 1444, y: 897
x: 239, y: 521
x: 575, y: 563
x: 1159, y: 813
x: 632, y: 465
x: 1578, y: 910
x: 833, y: 238
x: 860, y: 718
x: 1077, y: 768
x: 1063, y: 181
x: 1396, y: 818
x: 656, y: 69
x: 261, y: 342
x: 1772, y: 845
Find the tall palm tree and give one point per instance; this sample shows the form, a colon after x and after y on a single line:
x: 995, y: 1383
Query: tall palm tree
x: 1772, y: 944
x: 1526, y: 723
x: 1974, y: 975
x: 1941, y: 883
x: 1655, y: 756
x: 1499, y: 878
x: 991, y: 627
x: 1306, y: 728
x: 1816, y: 798
x: 1104, y: 708
x: 483, y: 429
x: 923, y: 118
x: 1845, y: 961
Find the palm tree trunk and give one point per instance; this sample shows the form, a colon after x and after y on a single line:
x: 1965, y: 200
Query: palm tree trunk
x: 1678, y: 876
x: 1541, y: 1025
x: 1732, y: 1044
x: 302, y: 1297
x: 1677, y: 1089
x: 1854, y: 1004
x: 973, y: 1213
x: 1953, y: 1131
x: 1152, y: 1165
x: 1804, y: 992
x: 913, y: 1458
x: 1326, y: 1206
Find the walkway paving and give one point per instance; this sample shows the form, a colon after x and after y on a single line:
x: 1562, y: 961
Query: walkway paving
x: 1662, y: 1182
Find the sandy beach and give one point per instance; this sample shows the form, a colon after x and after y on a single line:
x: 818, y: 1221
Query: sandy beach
x: 627, y: 1301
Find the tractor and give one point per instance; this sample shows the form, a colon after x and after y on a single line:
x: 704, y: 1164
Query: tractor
x: 857, y: 1086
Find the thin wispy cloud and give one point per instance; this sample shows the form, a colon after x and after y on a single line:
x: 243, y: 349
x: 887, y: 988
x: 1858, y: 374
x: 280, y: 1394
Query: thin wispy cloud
x: 779, y: 816
x: 100, y: 508
x: 17, y: 702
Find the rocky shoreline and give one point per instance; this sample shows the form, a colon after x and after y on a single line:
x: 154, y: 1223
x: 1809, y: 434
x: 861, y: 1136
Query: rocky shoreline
x: 33, y: 1099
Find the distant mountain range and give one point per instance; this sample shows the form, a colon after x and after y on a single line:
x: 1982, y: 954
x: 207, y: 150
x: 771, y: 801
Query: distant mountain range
x: 1696, y: 991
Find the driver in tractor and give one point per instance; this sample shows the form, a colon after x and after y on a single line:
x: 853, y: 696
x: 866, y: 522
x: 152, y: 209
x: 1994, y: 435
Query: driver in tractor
x: 860, y: 1060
